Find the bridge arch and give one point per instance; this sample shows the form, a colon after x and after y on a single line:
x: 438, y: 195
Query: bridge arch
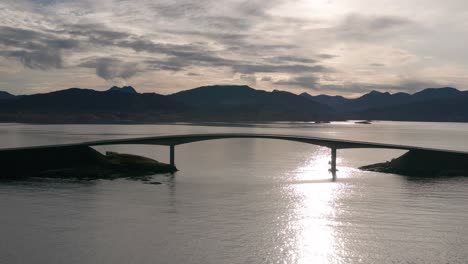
x: 334, y: 144
x: 174, y: 140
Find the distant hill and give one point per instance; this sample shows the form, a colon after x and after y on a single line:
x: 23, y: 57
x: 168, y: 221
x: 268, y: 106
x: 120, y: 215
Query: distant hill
x: 428, y: 105
x: 6, y: 96
x: 437, y: 93
x: 125, y: 104
x: 431, y: 104
x: 229, y: 103
x: 376, y: 98
x: 372, y: 99
x: 87, y: 100
x: 334, y: 101
x: 90, y: 106
x: 125, y: 89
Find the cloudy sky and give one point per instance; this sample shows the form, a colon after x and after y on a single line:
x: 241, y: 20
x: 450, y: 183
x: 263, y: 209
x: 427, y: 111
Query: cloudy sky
x: 345, y: 47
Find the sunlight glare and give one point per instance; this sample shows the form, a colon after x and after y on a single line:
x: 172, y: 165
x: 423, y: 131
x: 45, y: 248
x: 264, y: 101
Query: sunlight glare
x: 314, y: 225
x: 317, y: 167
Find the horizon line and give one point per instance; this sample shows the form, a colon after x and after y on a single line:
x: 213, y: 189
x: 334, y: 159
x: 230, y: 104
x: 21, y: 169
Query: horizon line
x: 239, y: 85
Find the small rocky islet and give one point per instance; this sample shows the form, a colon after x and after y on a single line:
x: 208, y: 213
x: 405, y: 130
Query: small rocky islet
x: 424, y: 163
x: 79, y: 162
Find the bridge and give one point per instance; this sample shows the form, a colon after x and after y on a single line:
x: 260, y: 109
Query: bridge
x: 174, y: 140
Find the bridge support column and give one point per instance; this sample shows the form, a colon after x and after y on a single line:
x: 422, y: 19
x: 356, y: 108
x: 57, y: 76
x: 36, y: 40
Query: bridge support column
x: 333, y: 160
x: 171, y: 155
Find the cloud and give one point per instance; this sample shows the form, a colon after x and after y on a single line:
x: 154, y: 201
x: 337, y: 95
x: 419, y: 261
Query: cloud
x: 192, y: 74
x: 236, y: 39
x: 230, y: 32
x: 178, y: 9
x: 112, y: 68
x: 371, y: 28
x: 250, y: 79
x: 286, y: 59
x: 34, y: 49
x: 33, y: 40
x: 180, y: 61
x: 310, y: 82
x: 326, y: 56
x: 262, y: 68
x: 43, y: 60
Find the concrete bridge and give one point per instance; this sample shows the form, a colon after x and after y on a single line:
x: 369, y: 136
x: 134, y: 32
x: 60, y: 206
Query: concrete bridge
x: 174, y: 140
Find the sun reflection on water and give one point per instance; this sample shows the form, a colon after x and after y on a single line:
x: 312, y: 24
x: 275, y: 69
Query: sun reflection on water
x: 313, y: 222
x: 317, y: 166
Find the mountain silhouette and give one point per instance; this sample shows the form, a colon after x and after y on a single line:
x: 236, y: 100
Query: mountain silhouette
x: 334, y: 101
x: 240, y: 102
x: 89, y: 106
x: 437, y: 93
x: 124, y: 89
x: 431, y: 104
x: 229, y: 103
x: 87, y: 100
x: 369, y: 100
x: 5, y: 95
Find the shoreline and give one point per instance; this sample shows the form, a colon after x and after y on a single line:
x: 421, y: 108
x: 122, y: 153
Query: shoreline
x: 78, y: 162
x: 424, y: 163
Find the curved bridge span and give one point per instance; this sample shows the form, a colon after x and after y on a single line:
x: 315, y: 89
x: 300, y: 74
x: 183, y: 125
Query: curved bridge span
x: 333, y: 144
x: 174, y: 140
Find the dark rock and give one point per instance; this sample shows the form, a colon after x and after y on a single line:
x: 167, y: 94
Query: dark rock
x: 424, y: 163
x: 76, y: 162
x: 154, y: 183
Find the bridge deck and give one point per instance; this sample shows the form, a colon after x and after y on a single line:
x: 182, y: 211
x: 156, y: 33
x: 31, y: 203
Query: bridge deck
x: 174, y: 140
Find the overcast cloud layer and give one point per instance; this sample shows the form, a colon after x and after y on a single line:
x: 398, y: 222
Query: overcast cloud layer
x: 318, y: 46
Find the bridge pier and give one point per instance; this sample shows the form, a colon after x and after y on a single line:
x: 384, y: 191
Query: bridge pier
x: 172, y: 155
x: 333, y: 161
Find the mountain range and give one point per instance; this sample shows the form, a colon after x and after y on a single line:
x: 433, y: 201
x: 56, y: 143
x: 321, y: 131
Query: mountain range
x: 229, y: 103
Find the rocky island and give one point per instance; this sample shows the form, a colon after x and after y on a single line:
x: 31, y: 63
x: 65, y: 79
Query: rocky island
x: 79, y: 162
x: 424, y: 163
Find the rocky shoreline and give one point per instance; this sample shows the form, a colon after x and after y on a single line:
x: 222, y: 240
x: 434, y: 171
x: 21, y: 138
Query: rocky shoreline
x: 77, y: 162
x: 424, y: 163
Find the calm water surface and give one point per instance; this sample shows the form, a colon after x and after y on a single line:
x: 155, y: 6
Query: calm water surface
x: 240, y: 201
